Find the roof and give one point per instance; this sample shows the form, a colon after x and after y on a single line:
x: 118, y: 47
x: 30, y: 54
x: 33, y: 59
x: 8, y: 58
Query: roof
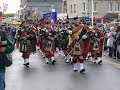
x: 44, y: 0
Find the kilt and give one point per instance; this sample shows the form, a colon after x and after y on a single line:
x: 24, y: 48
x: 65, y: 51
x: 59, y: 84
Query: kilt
x: 86, y: 47
x: 25, y: 55
x: 49, y: 52
x: 25, y: 46
x: 78, y: 52
x: 79, y: 59
x: 98, y: 52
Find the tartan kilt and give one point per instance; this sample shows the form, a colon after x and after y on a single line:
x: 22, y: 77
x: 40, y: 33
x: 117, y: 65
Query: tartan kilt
x: 86, y: 47
x: 49, y: 54
x: 25, y: 47
x: 78, y: 53
x: 29, y: 49
x: 94, y: 50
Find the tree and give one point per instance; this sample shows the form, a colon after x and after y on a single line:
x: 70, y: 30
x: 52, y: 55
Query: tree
x: 9, y: 15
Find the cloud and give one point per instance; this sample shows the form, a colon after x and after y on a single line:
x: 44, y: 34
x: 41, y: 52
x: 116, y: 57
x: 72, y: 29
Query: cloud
x: 13, y: 5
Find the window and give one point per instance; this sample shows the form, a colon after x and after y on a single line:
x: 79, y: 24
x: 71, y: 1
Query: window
x: 65, y: 7
x: 84, y: 6
x: 110, y: 4
x: 65, y: 3
x: 118, y: 7
x: 94, y: 6
x: 71, y: 8
x: 74, y: 7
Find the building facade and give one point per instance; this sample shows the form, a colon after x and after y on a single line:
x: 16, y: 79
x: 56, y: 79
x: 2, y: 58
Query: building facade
x: 82, y: 8
x: 38, y: 7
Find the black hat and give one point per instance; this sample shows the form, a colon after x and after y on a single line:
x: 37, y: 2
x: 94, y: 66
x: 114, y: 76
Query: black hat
x: 75, y: 18
x: 94, y: 23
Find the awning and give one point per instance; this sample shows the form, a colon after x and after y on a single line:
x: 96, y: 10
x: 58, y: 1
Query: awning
x: 111, y: 16
x: 97, y: 19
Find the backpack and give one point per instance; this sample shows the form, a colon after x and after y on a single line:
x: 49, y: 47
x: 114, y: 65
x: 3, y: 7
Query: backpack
x: 5, y: 58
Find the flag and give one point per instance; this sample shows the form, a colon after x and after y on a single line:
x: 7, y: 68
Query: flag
x: 53, y: 13
x: 51, y: 16
x: 74, y: 36
x: 36, y: 11
x: 5, y: 7
x: 22, y: 6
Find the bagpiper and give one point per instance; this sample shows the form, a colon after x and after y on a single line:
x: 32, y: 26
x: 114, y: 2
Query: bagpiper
x: 25, y: 43
x: 33, y: 38
x: 64, y: 40
x: 96, y: 44
x: 50, y: 48
x: 76, y: 46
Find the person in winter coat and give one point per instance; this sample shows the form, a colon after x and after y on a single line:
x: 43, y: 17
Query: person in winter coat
x: 8, y: 48
x: 110, y: 41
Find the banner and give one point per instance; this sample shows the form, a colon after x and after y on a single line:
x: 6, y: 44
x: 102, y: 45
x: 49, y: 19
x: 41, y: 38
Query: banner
x: 36, y: 11
x: 5, y: 7
x: 22, y: 6
x: 51, y: 16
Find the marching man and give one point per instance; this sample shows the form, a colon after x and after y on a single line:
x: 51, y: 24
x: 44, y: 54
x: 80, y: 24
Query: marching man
x: 76, y: 46
x: 96, y: 44
x: 50, y: 49
x: 25, y: 44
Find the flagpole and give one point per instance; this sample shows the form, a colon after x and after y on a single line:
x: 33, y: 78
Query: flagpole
x: 92, y: 13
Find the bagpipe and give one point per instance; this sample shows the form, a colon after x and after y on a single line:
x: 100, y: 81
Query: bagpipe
x: 81, y: 32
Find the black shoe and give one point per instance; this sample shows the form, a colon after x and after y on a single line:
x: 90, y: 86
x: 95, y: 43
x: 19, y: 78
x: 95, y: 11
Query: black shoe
x: 82, y: 71
x: 27, y: 64
x: 114, y: 57
x: 24, y: 64
x: 100, y: 62
x: 47, y: 62
x: 53, y: 62
x: 75, y: 70
x: 94, y: 61
x: 67, y: 61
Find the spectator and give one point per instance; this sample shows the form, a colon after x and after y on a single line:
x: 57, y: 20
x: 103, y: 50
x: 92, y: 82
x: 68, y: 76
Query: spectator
x: 6, y: 49
x: 110, y: 41
x: 118, y: 41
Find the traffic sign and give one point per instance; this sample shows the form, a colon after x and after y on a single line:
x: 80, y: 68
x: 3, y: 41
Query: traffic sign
x: 3, y: 17
x: 86, y: 19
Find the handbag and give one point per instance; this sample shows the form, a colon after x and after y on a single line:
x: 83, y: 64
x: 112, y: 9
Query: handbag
x: 5, y: 59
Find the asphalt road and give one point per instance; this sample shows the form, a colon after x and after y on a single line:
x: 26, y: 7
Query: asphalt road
x: 40, y: 76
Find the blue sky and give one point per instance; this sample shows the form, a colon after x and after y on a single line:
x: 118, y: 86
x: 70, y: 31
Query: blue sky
x: 13, y: 5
